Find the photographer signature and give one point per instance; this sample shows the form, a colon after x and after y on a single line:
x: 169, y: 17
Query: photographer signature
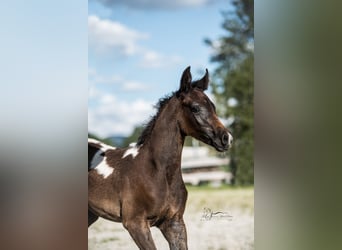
x: 208, y: 214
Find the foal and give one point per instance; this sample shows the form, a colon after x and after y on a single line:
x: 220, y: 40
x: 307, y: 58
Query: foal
x: 142, y: 186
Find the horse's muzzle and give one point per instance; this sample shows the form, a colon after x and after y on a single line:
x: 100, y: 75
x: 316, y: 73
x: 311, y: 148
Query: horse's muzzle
x: 227, y: 139
x: 223, y: 140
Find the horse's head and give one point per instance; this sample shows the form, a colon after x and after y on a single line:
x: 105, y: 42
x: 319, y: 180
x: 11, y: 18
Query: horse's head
x: 199, y: 118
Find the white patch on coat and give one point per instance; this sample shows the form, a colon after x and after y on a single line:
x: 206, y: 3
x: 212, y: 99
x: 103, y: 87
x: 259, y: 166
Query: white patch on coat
x: 104, y: 169
x: 97, y: 158
x: 134, y: 151
x: 91, y: 140
x: 99, y: 162
x: 104, y: 147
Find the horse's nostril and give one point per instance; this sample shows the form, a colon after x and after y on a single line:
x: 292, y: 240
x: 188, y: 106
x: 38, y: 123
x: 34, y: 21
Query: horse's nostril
x: 225, y: 139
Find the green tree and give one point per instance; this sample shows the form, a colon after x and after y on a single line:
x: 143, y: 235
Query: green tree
x: 233, y: 85
x: 134, y: 136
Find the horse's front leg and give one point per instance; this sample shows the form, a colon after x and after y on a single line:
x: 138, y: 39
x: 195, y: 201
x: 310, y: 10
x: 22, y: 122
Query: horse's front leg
x: 140, y: 232
x: 175, y: 233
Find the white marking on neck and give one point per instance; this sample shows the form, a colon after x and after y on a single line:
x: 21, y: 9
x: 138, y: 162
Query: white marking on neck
x: 104, y: 169
x: 134, y: 151
x: 91, y: 140
x: 104, y: 147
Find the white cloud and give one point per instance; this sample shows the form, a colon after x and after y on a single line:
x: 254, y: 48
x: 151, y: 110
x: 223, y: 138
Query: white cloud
x: 110, y: 37
x: 112, y: 116
x: 156, y: 4
x: 91, y: 72
x: 93, y: 93
x: 104, y: 35
x: 95, y: 78
x: 106, y: 79
x: 153, y: 59
x: 134, y: 86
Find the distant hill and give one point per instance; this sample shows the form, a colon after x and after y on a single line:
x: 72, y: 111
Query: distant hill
x: 116, y: 140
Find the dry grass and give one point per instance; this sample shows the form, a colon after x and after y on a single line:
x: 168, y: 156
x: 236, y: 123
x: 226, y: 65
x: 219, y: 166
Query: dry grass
x: 225, y: 233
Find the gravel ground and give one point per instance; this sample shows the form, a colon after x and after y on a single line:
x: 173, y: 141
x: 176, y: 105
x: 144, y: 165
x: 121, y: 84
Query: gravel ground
x: 233, y: 231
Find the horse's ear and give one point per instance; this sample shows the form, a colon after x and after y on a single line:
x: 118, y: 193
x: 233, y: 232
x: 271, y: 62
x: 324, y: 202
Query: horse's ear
x: 186, y: 79
x: 202, y: 83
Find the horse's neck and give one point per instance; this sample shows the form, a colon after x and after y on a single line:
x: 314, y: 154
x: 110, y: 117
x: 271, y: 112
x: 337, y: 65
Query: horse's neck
x: 166, y: 141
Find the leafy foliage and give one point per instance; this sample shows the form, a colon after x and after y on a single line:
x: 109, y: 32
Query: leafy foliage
x: 134, y: 136
x: 233, y: 85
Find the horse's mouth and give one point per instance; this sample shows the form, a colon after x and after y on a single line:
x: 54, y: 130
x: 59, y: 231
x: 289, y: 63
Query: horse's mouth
x: 212, y: 142
x: 220, y: 148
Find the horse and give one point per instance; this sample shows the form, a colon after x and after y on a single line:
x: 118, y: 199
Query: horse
x: 141, y: 186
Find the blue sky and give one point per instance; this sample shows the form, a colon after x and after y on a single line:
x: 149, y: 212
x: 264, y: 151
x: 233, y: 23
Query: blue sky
x: 136, y: 54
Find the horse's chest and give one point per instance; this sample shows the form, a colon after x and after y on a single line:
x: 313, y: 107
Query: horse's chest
x: 171, y: 203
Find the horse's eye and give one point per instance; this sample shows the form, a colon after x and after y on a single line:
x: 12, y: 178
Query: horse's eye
x: 195, y: 109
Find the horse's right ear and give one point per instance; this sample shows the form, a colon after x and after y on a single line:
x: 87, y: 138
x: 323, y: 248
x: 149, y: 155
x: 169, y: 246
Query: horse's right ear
x: 185, y: 83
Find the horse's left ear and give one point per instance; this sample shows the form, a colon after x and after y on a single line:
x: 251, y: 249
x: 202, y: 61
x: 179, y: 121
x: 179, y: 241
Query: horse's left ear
x: 203, y: 83
x: 185, y: 83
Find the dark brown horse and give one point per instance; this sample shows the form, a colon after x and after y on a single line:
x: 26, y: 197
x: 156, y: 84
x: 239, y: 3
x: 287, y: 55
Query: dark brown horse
x: 142, y: 186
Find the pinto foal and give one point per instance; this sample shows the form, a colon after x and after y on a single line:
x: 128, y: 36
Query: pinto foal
x: 142, y: 186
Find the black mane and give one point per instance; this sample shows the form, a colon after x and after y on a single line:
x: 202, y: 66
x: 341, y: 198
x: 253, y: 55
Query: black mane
x: 150, y: 125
